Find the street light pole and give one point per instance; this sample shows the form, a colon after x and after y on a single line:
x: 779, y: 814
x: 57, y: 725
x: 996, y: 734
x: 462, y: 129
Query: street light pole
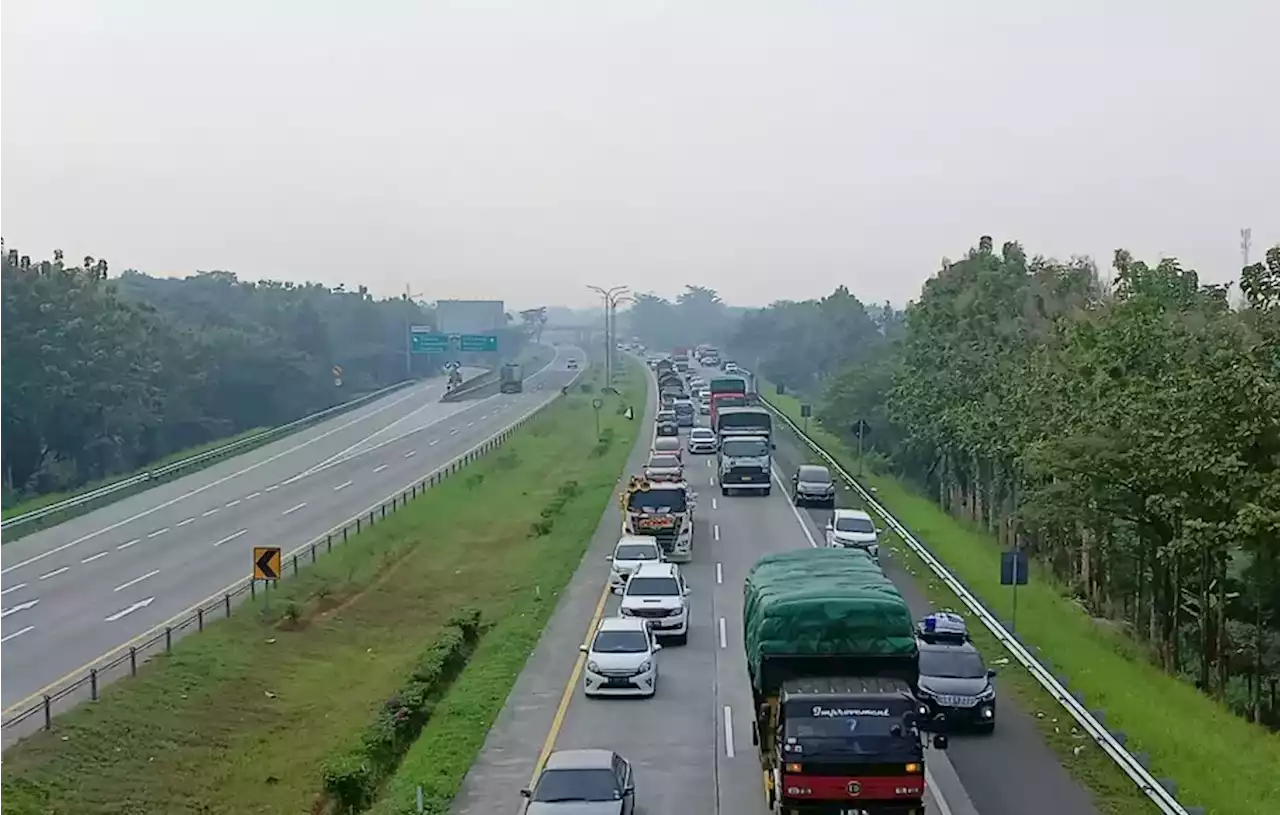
x: 610, y: 297
x: 408, y: 332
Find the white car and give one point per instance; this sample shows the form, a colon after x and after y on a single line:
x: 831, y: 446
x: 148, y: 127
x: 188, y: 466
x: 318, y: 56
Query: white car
x: 621, y: 659
x: 657, y: 593
x: 571, y: 365
x: 853, y: 529
x: 630, y: 552
x: 702, y: 440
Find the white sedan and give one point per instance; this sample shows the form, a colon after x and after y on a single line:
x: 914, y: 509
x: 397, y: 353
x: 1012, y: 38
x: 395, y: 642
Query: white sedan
x: 621, y: 659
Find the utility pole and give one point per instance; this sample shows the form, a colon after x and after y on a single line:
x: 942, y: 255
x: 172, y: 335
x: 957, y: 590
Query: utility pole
x: 1246, y: 242
x: 611, y: 297
x: 408, y: 297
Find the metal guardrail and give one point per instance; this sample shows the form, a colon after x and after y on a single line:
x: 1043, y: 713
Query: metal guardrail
x: 176, y: 467
x: 127, y: 657
x: 1147, y: 783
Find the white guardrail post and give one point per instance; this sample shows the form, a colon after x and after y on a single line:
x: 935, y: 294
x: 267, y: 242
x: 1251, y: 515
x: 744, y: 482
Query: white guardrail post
x: 1128, y: 763
x: 182, y: 464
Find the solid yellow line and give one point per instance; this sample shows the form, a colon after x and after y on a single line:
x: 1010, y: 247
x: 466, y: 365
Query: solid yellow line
x: 567, y: 697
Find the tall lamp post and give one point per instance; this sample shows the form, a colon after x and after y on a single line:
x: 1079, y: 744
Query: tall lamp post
x: 613, y: 322
x: 409, y: 296
x: 610, y: 301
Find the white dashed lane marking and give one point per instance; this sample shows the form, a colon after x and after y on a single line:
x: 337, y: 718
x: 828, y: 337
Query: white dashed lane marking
x: 13, y: 588
x: 55, y: 573
x: 230, y: 537
x: 292, y: 510
x: 92, y: 558
x: 8, y: 637
x: 186, y: 521
x: 130, y: 543
x: 158, y: 532
x: 137, y: 580
x: 342, y: 486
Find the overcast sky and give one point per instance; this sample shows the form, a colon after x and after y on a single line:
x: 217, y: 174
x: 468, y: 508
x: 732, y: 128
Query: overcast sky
x: 522, y: 150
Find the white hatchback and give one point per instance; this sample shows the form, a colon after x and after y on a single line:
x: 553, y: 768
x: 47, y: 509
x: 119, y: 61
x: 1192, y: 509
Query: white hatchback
x: 628, y: 555
x: 621, y: 659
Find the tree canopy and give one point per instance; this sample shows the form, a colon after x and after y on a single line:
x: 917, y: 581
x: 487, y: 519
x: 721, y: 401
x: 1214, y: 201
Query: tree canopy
x: 1126, y: 432
x: 697, y: 315
x: 103, y: 376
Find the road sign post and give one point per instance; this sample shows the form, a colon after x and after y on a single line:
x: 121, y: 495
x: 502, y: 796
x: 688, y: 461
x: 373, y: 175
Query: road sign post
x: 806, y: 410
x: 1013, y: 572
x: 860, y: 428
x: 266, y: 567
x: 596, y: 404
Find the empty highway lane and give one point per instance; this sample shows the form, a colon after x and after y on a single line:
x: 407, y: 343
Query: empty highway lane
x: 76, y: 591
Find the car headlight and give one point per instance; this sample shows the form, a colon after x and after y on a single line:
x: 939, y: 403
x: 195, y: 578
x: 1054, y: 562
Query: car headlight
x: 924, y: 693
x: 874, y: 550
x: 625, y: 612
x: 594, y: 668
x: 988, y: 693
x: 644, y: 667
x: 675, y: 612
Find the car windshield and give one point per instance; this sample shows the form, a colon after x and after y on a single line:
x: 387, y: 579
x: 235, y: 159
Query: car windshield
x: 620, y: 642
x: 702, y: 434
x: 859, y: 525
x: 657, y: 501
x: 666, y: 415
x: 653, y: 587
x: 856, y: 735
x: 636, y: 551
x: 815, y: 475
x: 745, y: 448
x: 577, y: 785
x: 947, y: 663
x: 664, y: 462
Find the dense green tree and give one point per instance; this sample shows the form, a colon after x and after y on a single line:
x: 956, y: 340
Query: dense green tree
x: 1124, y: 432
x: 102, y: 376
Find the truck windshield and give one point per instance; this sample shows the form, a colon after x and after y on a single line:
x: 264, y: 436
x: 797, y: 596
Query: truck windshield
x: 657, y: 501
x: 745, y: 448
x: 852, y: 735
x: 750, y: 419
x: 731, y: 384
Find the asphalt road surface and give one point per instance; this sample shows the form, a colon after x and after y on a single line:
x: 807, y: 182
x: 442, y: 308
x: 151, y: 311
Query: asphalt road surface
x: 691, y: 743
x: 75, y: 592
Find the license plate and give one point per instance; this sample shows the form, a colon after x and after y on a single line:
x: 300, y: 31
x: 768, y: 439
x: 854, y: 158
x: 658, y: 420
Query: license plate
x: 617, y: 683
x: 746, y: 478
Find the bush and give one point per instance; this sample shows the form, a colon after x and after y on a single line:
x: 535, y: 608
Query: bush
x: 353, y: 775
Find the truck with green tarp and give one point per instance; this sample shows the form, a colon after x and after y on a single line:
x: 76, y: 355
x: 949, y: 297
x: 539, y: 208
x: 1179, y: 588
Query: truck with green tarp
x: 833, y: 662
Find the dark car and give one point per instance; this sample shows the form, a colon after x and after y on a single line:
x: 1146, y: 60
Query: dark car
x: 954, y: 682
x: 812, y: 485
x: 667, y: 425
x: 583, y: 782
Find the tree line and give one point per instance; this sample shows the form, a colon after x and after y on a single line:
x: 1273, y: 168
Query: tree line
x: 1123, y: 430
x: 106, y: 375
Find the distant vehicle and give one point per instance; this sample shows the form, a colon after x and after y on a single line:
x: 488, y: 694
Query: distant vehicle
x: 572, y: 365
x: 954, y: 683
x: 702, y: 440
x: 628, y: 554
x: 746, y: 463
x: 853, y: 529
x: 511, y: 378
x: 622, y: 659
x: 666, y: 444
x: 657, y: 592
x: 812, y: 484
x: 664, y: 468
x: 662, y: 510
x: 667, y: 424
x: 686, y: 413
x: 583, y: 782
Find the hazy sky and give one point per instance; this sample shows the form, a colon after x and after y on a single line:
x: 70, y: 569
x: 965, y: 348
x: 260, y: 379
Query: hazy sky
x: 522, y: 150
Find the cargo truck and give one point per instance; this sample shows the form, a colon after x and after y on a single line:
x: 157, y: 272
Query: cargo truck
x: 726, y: 391
x: 833, y: 663
x: 511, y: 379
x: 743, y: 421
x: 662, y: 510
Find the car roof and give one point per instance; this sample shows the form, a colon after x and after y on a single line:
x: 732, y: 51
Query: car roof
x: 655, y: 570
x: 623, y: 624
x: 666, y: 439
x: 813, y: 469
x: 672, y: 457
x: 852, y: 513
x: 647, y: 540
x: 590, y: 759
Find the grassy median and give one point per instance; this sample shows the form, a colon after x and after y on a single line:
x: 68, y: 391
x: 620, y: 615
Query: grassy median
x: 245, y: 717
x: 1219, y: 761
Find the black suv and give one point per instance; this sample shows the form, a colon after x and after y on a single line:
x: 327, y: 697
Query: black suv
x: 667, y: 425
x: 955, y: 684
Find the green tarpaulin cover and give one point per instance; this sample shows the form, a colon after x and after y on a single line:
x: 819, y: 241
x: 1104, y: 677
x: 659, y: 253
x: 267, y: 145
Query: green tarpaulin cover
x: 810, y: 602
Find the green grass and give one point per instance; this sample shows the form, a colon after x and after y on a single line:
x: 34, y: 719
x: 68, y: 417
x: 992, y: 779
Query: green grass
x: 1219, y: 761
x: 241, y: 718
x: 42, y: 501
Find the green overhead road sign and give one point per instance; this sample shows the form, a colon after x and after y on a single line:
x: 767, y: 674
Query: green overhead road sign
x: 423, y: 341
x: 478, y: 342
x: 428, y: 342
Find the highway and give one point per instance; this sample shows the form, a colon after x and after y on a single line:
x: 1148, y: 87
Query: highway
x: 691, y: 743
x: 75, y: 592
